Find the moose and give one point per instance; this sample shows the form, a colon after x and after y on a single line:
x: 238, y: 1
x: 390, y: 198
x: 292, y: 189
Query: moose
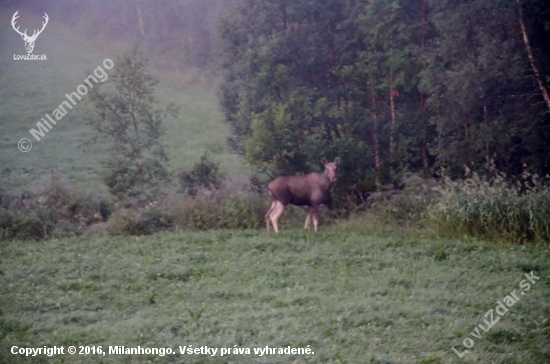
x: 29, y: 40
x: 309, y: 190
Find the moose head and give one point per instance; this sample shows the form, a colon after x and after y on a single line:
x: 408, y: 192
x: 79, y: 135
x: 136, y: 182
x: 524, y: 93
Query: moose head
x: 29, y: 41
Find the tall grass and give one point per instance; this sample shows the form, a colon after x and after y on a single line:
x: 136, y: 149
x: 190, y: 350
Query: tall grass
x: 494, y: 208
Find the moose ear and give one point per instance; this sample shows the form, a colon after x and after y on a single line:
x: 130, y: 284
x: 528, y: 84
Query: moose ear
x: 324, y: 161
x: 337, y: 161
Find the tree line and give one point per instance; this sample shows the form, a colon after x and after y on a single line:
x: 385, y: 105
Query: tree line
x: 392, y: 87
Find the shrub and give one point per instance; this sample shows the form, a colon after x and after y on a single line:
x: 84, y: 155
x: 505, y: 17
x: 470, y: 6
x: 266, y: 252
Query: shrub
x: 407, y: 204
x: 229, y: 211
x: 143, y: 221
x: 203, y: 175
x: 203, y: 213
x: 49, y: 209
x: 239, y: 212
x: 24, y: 226
x: 124, y: 222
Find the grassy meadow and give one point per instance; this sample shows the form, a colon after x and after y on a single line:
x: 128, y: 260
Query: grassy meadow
x: 352, y: 297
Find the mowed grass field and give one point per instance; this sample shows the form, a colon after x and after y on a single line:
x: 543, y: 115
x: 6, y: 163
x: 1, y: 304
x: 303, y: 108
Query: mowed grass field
x: 353, y: 297
x: 30, y: 89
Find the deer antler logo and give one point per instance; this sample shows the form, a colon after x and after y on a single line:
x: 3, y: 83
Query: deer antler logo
x: 29, y: 41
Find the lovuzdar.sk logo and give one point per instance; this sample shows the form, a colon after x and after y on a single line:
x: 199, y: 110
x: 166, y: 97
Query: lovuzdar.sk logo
x: 29, y: 40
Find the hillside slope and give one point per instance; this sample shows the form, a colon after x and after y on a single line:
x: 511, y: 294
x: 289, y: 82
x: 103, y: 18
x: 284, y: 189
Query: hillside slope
x: 33, y: 88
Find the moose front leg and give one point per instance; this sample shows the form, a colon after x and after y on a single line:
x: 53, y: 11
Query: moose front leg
x: 308, y: 217
x: 315, y: 214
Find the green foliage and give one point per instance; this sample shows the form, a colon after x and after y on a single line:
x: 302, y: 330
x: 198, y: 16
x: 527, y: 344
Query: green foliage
x: 126, y: 118
x: 494, y: 209
x: 393, y: 87
x: 144, y: 221
x: 482, y: 109
x: 243, y: 212
x: 287, y: 112
x: 272, y: 143
x: 49, y: 209
x: 404, y: 206
x: 226, y: 211
x: 204, y: 174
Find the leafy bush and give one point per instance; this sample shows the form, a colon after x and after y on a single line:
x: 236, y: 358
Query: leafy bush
x: 407, y: 204
x: 49, y: 209
x: 204, y: 174
x: 227, y: 211
x: 148, y: 220
x: 24, y: 226
x: 194, y: 213
x: 493, y: 208
x: 120, y: 178
x: 239, y: 212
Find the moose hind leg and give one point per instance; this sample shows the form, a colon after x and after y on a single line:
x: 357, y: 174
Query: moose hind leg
x: 268, y: 215
x: 275, y: 215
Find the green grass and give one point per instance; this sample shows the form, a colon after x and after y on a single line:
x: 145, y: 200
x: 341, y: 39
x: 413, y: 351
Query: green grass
x: 30, y: 89
x: 352, y: 297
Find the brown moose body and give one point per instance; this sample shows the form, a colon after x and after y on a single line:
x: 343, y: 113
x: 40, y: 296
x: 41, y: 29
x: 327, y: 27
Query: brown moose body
x: 309, y: 190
